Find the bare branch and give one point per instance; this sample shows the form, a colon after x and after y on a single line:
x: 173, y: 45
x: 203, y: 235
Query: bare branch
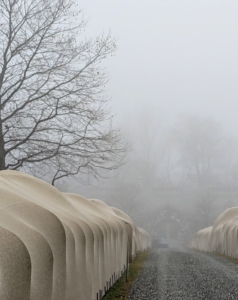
x: 53, y: 114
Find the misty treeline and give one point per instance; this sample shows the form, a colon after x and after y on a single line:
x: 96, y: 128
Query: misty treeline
x: 190, y: 152
x: 54, y: 118
x: 193, y: 151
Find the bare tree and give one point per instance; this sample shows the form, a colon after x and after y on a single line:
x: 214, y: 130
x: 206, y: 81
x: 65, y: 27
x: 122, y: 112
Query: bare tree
x: 128, y: 198
x: 205, y: 209
x: 53, y: 112
x: 149, y: 146
x: 229, y: 165
x: 200, y: 142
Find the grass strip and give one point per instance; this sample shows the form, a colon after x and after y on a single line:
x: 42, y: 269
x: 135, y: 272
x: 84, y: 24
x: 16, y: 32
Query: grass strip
x: 234, y: 260
x: 121, y: 288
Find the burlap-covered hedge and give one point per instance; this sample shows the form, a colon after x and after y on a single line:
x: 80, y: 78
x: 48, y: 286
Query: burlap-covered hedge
x: 222, y: 237
x: 57, y: 245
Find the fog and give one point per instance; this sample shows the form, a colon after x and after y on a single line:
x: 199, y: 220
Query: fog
x: 173, y: 89
x: 178, y: 56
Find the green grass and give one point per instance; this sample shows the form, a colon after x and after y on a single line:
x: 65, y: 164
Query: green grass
x: 121, y: 288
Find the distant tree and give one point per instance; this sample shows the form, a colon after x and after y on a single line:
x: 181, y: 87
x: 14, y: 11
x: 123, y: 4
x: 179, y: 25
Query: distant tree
x: 149, y: 146
x: 128, y: 198
x: 170, y: 170
x: 53, y: 114
x: 205, y: 209
x: 200, y: 144
x: 229, y: 164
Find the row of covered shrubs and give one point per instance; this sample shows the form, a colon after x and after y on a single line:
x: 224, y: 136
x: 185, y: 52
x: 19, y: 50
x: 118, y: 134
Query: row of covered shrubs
x: 222, y: 237
x: 57, y: 245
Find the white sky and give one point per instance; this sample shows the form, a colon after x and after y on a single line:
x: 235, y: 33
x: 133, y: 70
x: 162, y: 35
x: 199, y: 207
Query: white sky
x: 173, y: 56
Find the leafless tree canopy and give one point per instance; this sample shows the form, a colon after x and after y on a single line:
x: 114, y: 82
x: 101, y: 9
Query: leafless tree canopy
x: 128, y: 198
x: 205, y: 209
x: 53, y: 114
x: 200, y: 143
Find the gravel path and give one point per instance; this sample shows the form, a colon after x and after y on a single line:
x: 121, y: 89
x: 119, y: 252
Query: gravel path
x: 175, y: 274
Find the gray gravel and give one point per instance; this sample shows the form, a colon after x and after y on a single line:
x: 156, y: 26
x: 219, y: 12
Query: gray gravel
x: 146, y: 287
x: 175, y: 274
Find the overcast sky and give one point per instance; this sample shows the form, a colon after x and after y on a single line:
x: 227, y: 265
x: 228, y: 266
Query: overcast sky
x: 173, y: 56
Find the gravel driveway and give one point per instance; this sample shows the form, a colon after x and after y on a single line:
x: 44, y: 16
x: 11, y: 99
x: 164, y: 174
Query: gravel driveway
x: 175, y: 274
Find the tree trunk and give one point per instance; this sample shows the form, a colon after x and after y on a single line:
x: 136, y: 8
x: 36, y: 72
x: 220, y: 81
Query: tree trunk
x: 2, y: 150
